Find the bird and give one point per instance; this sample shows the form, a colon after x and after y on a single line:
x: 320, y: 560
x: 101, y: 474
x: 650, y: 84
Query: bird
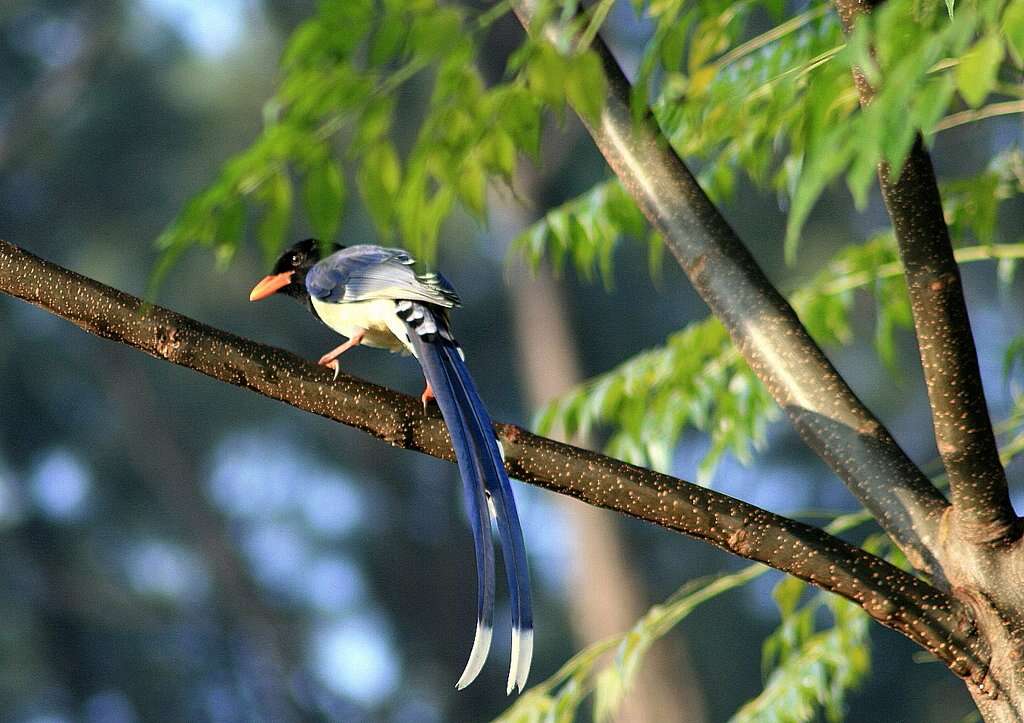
x: 373, y: 296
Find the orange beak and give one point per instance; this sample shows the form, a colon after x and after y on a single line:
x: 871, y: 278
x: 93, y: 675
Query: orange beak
x: 270, y: 285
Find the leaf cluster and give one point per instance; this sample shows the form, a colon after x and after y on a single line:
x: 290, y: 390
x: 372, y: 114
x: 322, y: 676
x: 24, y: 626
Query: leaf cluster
x: 605, y: 671
x: 697, y: 379
x: 340, y: 113
x: 810, y: 665
x: 782, y: 108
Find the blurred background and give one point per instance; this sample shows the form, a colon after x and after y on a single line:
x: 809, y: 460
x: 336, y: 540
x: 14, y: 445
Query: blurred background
x: 173, y: 548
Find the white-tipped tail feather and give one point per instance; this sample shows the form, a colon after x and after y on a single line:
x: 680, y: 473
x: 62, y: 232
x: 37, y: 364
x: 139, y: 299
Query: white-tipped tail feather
x: 477, y: 657
x: 522, y: 656
x: 480, y: 457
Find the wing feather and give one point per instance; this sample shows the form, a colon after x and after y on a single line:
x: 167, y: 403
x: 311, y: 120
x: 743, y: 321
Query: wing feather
x: 364, y: 272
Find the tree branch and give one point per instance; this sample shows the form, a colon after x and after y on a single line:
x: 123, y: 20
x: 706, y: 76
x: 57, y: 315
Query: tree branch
x: 937, y: 622
x: 963, y: 428
x: 819, y: 403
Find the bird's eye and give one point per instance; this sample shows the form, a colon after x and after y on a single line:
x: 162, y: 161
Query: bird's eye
x: 295, y: 259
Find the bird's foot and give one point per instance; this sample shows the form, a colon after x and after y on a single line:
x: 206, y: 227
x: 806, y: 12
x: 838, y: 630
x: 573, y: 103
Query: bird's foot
x: 331, y: 363
x: 330, y: 359
x: 427, y: 395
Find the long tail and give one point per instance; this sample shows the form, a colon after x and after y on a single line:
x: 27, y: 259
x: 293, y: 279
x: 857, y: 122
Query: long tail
x: 483, y: 472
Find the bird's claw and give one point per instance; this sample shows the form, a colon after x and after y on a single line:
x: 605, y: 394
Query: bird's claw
x: 331, y: 364
x: 427, y: 395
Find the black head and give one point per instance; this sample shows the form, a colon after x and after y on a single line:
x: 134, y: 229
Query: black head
x: 289, y: 273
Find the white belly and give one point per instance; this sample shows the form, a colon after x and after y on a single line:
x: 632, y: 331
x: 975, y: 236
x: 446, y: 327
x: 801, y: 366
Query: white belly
x: 375, y: 317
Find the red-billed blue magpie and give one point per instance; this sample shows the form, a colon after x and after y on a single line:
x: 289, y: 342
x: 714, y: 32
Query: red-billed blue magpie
x: 372, y: 295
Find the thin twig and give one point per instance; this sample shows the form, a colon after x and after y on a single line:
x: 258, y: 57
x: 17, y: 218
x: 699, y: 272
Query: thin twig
x: 992, y: 110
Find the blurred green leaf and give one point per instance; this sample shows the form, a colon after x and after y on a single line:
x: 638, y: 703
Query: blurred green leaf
x: 546, y: 75
x: 472, y: 187
x: 379, y: 178
x: 277, y: 211
x: 324, y: 196
x: 1013, y: 355
x: 977, y: 71
x: 586, y: 85
x: 231, y: 225
x: 1013, y: 28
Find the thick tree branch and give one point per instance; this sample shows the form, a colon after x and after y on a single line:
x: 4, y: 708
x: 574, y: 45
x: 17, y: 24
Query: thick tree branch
x: 937, y: 622
x: 822, y: 407
x: 963, y: 429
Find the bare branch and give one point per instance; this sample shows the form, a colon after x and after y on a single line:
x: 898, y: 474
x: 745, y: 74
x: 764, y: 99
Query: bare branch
x: 963, y: 428
x: 822, y: 407
x: 937, y: 622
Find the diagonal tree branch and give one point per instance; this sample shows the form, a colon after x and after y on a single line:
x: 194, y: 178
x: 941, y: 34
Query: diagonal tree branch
x: 963, y: 428
x: 819, y: 403
x: 939, y: 623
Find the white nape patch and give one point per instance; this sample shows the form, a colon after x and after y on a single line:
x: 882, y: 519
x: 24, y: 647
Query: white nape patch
x: 477, y: 657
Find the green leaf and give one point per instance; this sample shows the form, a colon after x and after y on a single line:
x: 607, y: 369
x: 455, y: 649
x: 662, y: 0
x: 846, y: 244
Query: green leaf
x: 976, y: 73
x: 231, y: 224
x: 546, y: 75
x: 931, y: 102
x: 949, y: 8
x: 519, y: 113
x: 324, y: 196
x: 374, y: 123
x: 1013, y: 28
x: 1014, y: 353
x: 277, y: 211
x: 500, y: 153
x: 586, y: 85
x: 472, y: 187
x: 393, y: 28
x: 787, y: 594
x: 379, y: 178
x: 436, y: 33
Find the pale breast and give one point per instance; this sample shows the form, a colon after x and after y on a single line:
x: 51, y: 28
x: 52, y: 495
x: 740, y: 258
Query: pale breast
x: 376, y: 317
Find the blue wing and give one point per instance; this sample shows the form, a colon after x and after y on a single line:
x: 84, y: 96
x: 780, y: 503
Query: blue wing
x: 363, y: 272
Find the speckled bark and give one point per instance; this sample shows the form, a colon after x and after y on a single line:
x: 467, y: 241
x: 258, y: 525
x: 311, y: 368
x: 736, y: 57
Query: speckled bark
x: 980, y: 535
x: 940, y: 623
x: 825, y: 411
x: 963, y: 429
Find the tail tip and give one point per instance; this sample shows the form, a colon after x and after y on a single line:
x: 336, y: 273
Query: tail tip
x: 477, y: 657
x: 522, y: 658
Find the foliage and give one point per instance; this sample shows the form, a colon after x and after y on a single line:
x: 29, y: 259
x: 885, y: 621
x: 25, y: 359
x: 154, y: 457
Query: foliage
x: 697, y: 379
x: 780, y: 108
x: 333, y: 118
x: 587, y: 229
x: 607, y: 669
x: 813, y: 667
x: 559, y: 697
